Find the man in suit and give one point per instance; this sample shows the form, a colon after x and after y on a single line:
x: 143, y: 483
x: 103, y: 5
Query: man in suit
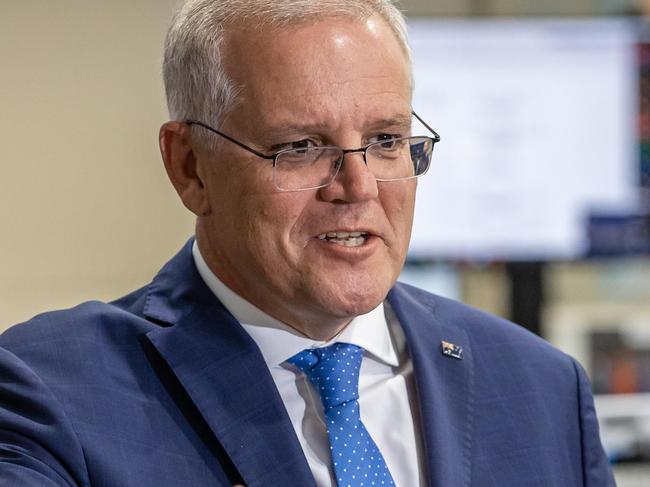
x: 276, y: 348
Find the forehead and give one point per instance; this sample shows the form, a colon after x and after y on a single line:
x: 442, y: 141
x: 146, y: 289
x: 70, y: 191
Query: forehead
x: 319, y: 68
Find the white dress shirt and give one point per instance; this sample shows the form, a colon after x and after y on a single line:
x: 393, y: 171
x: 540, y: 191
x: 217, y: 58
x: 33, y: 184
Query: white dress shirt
x: 387, y: 399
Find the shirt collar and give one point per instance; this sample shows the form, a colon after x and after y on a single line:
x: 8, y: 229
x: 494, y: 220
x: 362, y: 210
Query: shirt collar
x: 278, y: 342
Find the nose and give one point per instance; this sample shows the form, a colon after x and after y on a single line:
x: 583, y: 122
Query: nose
x: 354, y: 181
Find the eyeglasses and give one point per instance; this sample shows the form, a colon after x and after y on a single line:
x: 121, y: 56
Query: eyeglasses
x: 299, y: 169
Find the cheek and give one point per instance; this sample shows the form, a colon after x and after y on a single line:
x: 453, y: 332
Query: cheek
x: 280, y: 219
x: 237, y: 190
x: 399, y: 205
x: 237, y: 212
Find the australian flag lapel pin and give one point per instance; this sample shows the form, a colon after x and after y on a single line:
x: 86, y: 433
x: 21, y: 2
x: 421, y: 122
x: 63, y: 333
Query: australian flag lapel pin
x: 451, y: 350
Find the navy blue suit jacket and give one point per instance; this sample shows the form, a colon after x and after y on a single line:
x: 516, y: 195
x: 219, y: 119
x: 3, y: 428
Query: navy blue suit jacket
x: 165, y: 388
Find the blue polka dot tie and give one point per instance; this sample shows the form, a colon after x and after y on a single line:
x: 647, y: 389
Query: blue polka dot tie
x: 334, y: 372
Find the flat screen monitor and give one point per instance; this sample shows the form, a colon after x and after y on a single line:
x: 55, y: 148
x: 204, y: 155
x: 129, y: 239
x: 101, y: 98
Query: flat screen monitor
x: 538, y: 119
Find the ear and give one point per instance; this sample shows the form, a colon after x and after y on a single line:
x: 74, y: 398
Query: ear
x: 181, y: 163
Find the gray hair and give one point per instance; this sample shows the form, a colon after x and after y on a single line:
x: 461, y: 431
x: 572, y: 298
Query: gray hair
x: 196, y: 84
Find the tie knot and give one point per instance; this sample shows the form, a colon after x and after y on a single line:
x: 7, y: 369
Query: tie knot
x: 333, y: 370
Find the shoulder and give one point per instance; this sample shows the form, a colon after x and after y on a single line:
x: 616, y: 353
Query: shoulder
x: 447, y: 310
x: 82, y: 333
x: 493, y: 339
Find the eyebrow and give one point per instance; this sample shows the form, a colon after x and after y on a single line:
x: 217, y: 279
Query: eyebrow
x: 291, y: 128
x: 396, y: 121
x: 288, y: 129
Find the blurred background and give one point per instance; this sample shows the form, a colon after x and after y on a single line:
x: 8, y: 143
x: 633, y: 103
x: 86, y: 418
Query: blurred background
x: 536, y: 207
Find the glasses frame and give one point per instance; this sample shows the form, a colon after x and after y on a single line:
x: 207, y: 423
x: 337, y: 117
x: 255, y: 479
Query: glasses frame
x: 273, y: 157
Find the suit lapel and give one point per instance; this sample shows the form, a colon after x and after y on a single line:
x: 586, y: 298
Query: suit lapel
x: 443, y: 385
x: 223, y: 373
x: 222, y: 370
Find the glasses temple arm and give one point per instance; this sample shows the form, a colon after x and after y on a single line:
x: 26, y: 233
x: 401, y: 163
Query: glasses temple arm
x: 243, y: 146
x: 437, y: 137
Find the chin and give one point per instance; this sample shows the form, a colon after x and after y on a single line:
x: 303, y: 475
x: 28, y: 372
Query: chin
x: 351, y: 301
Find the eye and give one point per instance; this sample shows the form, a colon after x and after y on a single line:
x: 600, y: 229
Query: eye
x: 385, y: 141
x: 296, y: 145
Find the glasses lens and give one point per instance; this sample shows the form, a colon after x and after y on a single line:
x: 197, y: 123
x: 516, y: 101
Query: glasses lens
x: 396, y: 159
x: 307, y: 168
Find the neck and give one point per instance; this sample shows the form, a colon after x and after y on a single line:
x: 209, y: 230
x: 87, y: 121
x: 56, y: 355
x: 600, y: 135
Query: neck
x: 311, y: 324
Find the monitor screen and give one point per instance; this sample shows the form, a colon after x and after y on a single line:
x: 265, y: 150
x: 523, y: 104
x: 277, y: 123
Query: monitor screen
x: 538, y: 120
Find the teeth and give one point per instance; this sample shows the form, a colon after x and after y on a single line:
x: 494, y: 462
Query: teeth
x: 342, y: 235
x: 352, y: 242
x: 347, y: 239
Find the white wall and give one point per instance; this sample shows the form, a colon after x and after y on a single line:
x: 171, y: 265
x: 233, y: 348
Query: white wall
x: 85, y: 207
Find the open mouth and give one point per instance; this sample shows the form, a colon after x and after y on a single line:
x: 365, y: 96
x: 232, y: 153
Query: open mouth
x: 347, y: 239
